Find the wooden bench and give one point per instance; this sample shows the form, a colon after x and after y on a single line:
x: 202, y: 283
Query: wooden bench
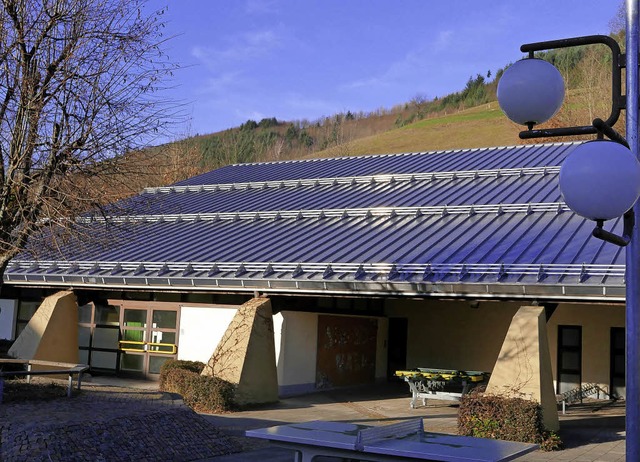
x: 69, y: 369
x: 398, y: 442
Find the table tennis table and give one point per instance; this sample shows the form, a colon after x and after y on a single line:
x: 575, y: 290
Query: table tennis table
x: 403, y: 441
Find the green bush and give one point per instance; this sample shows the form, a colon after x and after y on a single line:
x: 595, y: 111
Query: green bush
x: 511, y: 419
x: 201, y: 393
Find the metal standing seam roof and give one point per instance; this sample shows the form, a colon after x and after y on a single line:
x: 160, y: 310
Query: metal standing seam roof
x: 482, y: 223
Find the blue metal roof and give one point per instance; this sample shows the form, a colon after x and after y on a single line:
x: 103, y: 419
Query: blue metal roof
x: 479, y: 223
x: 387, y: 164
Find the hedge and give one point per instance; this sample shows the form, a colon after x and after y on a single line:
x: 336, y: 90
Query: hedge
x: 201, y: 393
x: 504, y: 418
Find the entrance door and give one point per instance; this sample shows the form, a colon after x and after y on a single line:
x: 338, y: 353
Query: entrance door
x: 148, y: 338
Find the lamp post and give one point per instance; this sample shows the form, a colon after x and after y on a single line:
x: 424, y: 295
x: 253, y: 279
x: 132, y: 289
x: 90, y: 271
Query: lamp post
x: 599, y: 180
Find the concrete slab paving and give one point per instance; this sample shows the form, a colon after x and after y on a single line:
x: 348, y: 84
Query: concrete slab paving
x: 592, y: 432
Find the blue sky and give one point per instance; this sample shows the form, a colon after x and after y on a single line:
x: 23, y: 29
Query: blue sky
x: 305, y: 59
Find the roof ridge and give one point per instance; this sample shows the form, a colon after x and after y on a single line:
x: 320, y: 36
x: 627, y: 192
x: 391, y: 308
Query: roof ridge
x: 400, y: 154
x: 357, y: 179
x: 365, y: 212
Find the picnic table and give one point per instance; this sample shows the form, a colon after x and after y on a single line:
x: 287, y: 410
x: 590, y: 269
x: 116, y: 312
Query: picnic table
x: 402, y: 441
x: 56, y: 368
x: 445, y: 384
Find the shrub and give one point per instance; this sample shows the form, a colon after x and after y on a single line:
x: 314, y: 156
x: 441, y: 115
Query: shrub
x: 511, y: 419
x: 201, y: 393
x: 193, y: 366
x: 209, y: 394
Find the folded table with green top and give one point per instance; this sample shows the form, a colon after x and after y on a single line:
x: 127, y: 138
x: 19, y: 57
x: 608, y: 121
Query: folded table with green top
x: 445, y: 384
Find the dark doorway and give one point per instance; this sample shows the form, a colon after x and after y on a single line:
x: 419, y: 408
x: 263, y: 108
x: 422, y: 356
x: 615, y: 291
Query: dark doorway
x: 617, y: 362
x: 397, y: 343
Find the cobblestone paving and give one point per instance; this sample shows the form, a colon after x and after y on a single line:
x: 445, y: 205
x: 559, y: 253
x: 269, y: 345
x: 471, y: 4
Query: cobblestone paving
x: 109, y: 424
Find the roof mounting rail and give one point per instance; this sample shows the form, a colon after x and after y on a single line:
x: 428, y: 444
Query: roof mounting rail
x: 164, y: 269
x: 241, y: 270
x: 328, y: 272
x: 214, y: 270
x: 502, y: 272
x: 584, y: 274
x: 298, y: 271
x: 268, y: 271
x: 360, y: 273
x: 426, y: 274
x: 463, y: 272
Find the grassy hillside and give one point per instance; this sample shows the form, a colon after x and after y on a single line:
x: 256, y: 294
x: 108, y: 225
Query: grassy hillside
x: 477, y: 127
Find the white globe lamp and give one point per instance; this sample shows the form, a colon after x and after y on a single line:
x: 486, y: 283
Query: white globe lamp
x: 531, y: 91
x: 600, y: 180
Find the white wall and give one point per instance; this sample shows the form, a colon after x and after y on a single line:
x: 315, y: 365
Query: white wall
x: 8, y: 315
x: 296, y: 356
x: 201, y: 330
x: 278, y: 326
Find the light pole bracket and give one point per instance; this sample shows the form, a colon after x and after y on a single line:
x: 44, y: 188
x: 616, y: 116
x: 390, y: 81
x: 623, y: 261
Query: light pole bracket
x: 618, y: 100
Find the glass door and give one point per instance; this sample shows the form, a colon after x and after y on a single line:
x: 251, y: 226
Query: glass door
x: 149, y: 337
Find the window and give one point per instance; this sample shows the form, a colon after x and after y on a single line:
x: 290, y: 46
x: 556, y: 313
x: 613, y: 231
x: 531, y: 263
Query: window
x: 569, y: 358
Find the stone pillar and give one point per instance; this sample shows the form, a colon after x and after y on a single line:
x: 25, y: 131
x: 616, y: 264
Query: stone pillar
x: 523, y: 368
x: 52, y: 332
x: 246, y: 354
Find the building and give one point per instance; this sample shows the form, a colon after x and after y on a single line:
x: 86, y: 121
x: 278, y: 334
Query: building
x: 371, y: 264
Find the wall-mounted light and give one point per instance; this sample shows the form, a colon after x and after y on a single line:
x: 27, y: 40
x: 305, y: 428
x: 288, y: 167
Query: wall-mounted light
x: 599, y: 180
x: 531, y: 91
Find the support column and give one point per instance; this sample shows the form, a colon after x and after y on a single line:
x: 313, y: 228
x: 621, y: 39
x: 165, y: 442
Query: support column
x: 52, y: 332
x: 246, y: 354
x: 523, y: 368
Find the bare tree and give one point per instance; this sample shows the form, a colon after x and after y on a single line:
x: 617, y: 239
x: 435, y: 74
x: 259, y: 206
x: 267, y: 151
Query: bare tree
x: 80, y: 86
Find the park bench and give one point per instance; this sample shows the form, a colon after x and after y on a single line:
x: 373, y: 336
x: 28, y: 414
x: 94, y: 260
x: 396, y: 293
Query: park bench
x: 69, y: 369
x: 402, y: 441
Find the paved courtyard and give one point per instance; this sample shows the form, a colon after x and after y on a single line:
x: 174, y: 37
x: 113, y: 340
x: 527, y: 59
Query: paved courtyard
x: 119, y: 420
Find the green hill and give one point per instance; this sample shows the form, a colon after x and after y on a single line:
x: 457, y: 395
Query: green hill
x: 481, y: 126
